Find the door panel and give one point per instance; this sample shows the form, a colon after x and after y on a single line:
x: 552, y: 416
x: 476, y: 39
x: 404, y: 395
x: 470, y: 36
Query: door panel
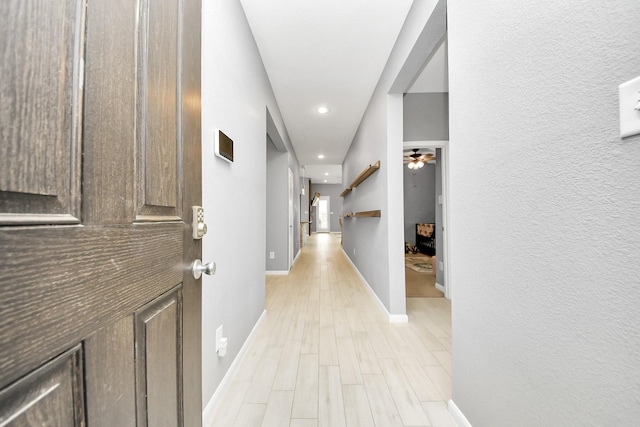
x: 117, y: 277
x: 108, y: 185
x: 110, y: 375
x: 158, y: 347
x: 157, y: 100
x: 50, y: 396
x: 78, y: 279
x: 41, y: 47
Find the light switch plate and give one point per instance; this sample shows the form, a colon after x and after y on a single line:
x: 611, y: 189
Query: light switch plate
x: 630, y: 107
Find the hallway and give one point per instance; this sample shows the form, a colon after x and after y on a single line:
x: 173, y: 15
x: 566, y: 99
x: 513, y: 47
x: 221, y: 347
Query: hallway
x: 326, y: 355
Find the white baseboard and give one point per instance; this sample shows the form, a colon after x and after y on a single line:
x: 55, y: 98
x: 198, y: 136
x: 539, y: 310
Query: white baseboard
x: 209, y: 410
x: 277, y: 272
x: 393, y: 318
x: 457, y: 415
x: 441, y: 288
x: 398, y: 318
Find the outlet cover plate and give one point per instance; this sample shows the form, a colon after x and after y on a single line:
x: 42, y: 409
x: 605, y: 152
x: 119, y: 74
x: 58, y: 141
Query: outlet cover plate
x: 630, y: 107
x: 219, y: 334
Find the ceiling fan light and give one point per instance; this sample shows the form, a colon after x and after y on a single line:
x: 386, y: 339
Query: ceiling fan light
x: 419, y: 164
x: 411, y: 165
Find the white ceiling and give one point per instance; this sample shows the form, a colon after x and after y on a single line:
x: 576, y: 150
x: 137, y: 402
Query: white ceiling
x: 331, y: 53
x: 323, y: 174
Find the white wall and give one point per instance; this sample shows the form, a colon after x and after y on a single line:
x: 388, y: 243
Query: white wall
x: 545, y: 200
x: 379, y: 242
x: 235, y: 96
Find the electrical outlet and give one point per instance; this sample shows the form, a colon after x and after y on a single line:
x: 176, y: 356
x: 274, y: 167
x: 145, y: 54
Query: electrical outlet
x: 441, y: 265
x: 221, y: 342
x: 354, y: 251
x: 272, y: 255
x: 219, y: 334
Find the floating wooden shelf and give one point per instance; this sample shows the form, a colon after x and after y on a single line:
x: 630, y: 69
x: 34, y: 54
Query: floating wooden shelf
x: 363, y: 214
x: 366, y: 173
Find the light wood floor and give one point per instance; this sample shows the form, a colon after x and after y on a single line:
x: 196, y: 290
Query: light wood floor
x: 325, y: 355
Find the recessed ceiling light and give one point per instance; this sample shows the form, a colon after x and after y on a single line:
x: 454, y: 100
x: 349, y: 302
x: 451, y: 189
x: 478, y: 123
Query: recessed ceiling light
x: 326, y: 174
x: 325, y: 180
x: 322, y: 109
x: 321, y: 156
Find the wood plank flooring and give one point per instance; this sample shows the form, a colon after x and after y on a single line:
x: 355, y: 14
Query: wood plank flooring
x: 325, y: 355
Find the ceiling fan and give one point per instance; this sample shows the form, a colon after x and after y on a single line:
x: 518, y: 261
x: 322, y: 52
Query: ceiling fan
x: 416, y: 160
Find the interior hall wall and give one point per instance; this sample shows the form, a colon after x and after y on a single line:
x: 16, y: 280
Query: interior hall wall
x: 544, y: 213
x: 236, y: 95
x: 335, y: 204
x: 376, y: 245
x: 426, y: 117
x: 277, y: 225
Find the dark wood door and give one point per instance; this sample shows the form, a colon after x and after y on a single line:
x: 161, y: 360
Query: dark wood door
x: 100, y: 316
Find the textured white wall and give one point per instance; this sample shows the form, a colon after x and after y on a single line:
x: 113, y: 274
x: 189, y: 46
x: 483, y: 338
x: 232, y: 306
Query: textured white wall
x: 235, y: 96
x: 544, y: 200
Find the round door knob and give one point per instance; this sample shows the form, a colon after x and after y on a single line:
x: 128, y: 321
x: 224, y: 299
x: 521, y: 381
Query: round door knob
x: 198, y: 268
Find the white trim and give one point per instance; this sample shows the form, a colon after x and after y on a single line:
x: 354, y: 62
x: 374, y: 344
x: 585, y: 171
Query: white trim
x: 440, y: 288
x: 209, y: 410
x: 398, y: 318
x: 446, y: 236
x: 328, y: 229
x: 291, y: 231
x: 276, y: 272
x: 393, y: 318
x: 457, y: 415
x: 409, y: 145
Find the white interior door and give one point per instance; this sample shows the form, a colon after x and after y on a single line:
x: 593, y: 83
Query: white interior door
x: 322, y: 215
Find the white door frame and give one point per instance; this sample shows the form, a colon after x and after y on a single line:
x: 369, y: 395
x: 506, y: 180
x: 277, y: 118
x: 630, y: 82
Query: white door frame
x: 328, y: 229
x: 290, y: 228
x: 444, y: 169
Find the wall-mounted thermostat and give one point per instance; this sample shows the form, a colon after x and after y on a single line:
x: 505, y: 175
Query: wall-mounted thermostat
x: 223, y: 146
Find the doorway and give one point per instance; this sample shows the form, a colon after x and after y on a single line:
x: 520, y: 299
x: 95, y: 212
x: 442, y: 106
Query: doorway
x: 425, y: 113
x: 438, y: 217
x: 322, y: 215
